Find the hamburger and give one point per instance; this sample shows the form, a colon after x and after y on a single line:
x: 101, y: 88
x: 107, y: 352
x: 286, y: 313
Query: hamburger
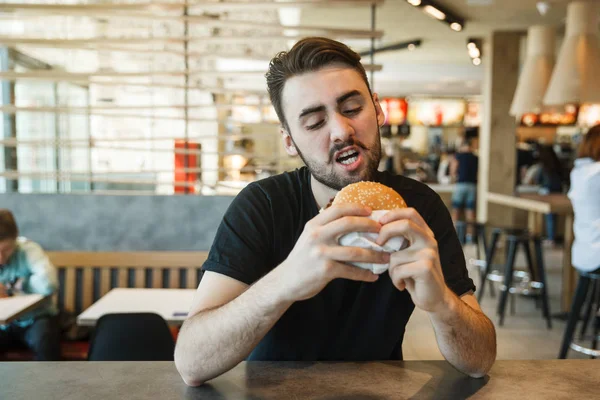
x: 380, y: 199
x: 369, y: 194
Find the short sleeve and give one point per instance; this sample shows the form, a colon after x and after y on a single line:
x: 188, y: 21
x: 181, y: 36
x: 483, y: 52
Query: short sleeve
x: 44, y: 277
x: 452, y: 257
x: 242, y: 248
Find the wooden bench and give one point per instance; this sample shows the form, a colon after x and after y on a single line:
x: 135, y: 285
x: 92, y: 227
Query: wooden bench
x: 84, y: 277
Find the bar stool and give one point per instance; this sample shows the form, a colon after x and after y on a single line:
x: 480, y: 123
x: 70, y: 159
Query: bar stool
x: 584, y: 290
x: 515, y: 237
x: 480, y: 240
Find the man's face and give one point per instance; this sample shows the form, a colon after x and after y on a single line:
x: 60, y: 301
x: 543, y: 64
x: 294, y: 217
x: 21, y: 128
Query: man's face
x: 7, y: 248
x: 333, y: 125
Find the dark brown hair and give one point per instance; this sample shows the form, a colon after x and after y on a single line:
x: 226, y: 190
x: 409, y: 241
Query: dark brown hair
x: 590, y: 145
x: 308, y: 55
x: 8, y: 226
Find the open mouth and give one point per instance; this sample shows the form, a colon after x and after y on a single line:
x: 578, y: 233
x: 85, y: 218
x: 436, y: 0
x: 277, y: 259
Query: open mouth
x: 348, y: 157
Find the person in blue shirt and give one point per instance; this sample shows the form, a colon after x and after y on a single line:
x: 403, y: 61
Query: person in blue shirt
x: 463, y: 168
x: 25, y: 268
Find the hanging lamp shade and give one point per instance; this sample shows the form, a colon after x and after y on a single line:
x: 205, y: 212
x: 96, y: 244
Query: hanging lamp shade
x: 576, y: 76
x: 536, y: 72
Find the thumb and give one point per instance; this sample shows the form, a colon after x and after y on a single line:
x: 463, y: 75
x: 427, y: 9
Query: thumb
x: 353, y: 273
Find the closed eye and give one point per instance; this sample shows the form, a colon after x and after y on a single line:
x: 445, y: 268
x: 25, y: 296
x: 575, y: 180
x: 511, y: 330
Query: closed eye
x: 353, y: 111
x: 315, y: 126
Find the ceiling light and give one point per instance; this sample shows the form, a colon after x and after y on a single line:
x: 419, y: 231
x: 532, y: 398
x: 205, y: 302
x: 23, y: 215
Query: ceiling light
x: 474, y: 52
x: 434, y: 12
x: 536, y: 72
x: 575, y: 78
x: 477, y: 61
x: 455, y: 26
x: 411, y: 47
x: 415, y: 3
x: 471, y: 45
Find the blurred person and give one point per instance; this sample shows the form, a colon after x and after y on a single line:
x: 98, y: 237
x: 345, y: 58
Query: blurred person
x: 585, y: 197
x: 25, y: 268
x: 443, y: 173
x: 549, y: 176
x: 463, y: 169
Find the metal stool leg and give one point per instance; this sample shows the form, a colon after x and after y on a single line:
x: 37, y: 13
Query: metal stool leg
x: 596, y: 331
x: 508, y: 275
x: 578, y: 299
x: 531, y: 268
x: 591, y: 306
x: 488, y: 266
x: 541, y: 273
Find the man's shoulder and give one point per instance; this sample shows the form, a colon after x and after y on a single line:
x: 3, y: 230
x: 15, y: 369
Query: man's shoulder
x: 284, y: 183
x: 27, y: 245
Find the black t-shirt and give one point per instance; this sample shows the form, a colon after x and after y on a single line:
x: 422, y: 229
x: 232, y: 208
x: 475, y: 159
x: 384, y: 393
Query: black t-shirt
x: 348, y: 320
x: 467, y: 167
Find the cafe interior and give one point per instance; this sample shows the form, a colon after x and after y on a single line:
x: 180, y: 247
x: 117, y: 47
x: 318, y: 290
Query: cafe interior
x: 130, y: 126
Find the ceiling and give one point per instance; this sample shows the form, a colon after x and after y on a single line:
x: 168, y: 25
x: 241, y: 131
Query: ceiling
x: 440, y: 66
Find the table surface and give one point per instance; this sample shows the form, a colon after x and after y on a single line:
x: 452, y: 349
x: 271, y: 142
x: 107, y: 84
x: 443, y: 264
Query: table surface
x: 544, y: 379
x: 171, y: 304
x: 13, y: 307
x: 555, y: 203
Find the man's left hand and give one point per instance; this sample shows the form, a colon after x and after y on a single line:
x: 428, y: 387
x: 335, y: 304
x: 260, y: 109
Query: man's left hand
x: 3, y: 291
x: 417, y: 268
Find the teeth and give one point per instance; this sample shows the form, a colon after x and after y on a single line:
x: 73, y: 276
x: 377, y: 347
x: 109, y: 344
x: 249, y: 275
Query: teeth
x: 350, y: 160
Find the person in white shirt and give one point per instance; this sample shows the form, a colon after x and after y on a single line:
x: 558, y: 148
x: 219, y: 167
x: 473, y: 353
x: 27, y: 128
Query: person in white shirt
x: 585, y: 197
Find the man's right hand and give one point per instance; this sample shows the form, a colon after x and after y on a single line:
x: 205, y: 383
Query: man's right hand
x: 317, y: 258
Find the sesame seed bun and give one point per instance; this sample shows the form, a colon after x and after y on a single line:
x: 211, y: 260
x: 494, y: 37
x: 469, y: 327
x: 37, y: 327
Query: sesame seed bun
x: 370, y: 194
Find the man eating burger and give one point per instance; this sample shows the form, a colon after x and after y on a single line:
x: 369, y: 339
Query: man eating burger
x: 279, y: 285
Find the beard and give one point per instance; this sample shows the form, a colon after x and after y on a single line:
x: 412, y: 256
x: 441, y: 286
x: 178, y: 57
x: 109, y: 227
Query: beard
x: 326, y: 174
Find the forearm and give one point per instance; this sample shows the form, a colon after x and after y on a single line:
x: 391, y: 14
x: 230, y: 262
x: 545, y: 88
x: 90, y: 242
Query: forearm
x: 465, y: 336
x: 214, y: 341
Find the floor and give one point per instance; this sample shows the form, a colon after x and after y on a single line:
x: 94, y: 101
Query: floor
x: 523, y: 335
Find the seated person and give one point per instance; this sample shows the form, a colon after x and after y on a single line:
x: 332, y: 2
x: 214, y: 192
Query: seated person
x: 25, y: 268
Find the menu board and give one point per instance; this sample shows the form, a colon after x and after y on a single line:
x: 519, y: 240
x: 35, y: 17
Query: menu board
x: 552, y: 117
x: 436, y: 112
x: 589, y: 115
x: 395, y: 110
x: 473, y: 114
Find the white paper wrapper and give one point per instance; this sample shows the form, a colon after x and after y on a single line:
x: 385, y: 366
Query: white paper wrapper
x: 367, y: 240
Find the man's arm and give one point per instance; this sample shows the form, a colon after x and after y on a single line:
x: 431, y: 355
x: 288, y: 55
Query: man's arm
x: 466, y: 337
x: 225, y: 325
x: 215, y: 338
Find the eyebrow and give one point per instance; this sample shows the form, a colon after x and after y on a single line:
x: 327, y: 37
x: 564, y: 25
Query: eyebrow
x: 319, y: 108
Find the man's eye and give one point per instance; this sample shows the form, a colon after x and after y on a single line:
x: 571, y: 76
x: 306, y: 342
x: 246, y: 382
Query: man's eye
x: 353, y: 111
x: 315, y: 126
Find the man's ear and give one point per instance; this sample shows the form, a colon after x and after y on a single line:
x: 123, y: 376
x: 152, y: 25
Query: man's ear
x: 288, y: 143
x: 378, y: 110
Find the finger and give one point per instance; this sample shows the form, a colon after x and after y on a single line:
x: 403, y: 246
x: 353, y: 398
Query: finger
x: 416, y: 235
x: 404, y: 272
x: 353, y: 273
x: 339, y: 211
x: 406, y: 213
x: 356, y: 254
x: 339, y: 227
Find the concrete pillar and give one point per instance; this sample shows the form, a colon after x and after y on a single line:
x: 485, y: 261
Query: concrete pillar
x: 497, y: 144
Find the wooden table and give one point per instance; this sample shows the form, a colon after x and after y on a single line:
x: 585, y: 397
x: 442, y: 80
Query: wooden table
x: 171, y: 304
x: 536, y: 205
x: 546, y: 379
x: 13, y: 307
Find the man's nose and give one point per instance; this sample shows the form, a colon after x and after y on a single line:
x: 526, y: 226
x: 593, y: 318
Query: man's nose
x: 341, y: 129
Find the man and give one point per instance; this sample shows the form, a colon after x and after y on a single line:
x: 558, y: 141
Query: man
x: 25, y: 268
x: 463, y: 168
x: 278, y: 286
